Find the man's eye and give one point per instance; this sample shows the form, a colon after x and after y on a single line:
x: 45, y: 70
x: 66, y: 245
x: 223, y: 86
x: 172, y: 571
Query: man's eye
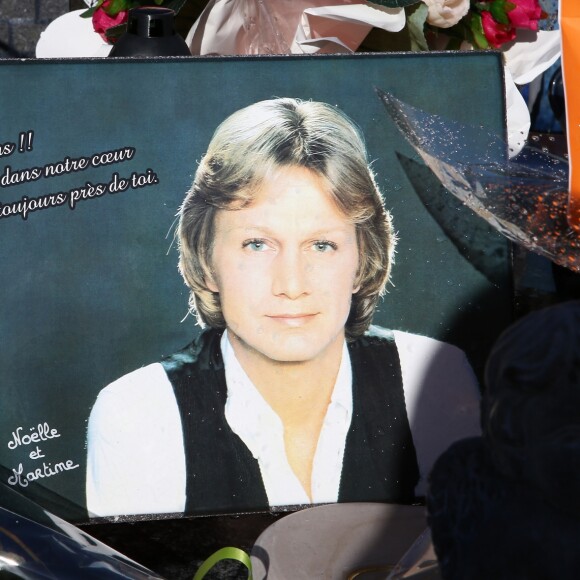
x: 255, y: 245
x: 324, y: 246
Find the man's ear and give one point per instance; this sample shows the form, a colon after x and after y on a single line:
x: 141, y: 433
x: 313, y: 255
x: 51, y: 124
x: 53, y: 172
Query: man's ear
x: 356, y: 283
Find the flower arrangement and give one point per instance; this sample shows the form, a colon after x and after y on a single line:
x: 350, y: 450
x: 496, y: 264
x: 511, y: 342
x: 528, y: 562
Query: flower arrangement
x: 491, y: 24
x: 482, y: 24
x: 439, y: 24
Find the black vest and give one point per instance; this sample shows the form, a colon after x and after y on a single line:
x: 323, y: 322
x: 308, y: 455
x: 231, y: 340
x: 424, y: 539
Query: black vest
x: 380, y: 464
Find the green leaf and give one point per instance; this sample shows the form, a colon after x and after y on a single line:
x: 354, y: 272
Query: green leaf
x: 116, y: 6
x: 89, y: 13
x: 479, y: 39
x: 416, y: 22
x: 498, y: 10
x: 115, y: 32
x: 395, y: 3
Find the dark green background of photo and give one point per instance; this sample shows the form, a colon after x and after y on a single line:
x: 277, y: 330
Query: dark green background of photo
x: 90, y: 294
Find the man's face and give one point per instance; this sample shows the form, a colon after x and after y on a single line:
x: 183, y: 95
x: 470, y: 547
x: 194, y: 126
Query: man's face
x: 285, y: 268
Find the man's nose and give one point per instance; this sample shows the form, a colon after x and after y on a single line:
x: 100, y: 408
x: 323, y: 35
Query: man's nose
x: 291, y: 274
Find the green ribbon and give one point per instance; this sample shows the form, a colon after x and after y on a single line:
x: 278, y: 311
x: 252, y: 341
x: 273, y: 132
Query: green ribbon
x: 224, y: 554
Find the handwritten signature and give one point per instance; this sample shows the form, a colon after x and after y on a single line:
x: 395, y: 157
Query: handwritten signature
x: 43, y: 432
x: 47, y: 470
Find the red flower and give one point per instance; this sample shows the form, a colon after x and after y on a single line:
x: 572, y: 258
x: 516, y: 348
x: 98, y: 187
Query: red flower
x: 525, y: 14
x: 495, y: 33
x: 102, y: 21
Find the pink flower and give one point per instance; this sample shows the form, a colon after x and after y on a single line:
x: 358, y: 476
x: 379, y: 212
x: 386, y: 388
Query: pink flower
x: 495, y: 33
x: 102, y: 21
x: 525, y: 14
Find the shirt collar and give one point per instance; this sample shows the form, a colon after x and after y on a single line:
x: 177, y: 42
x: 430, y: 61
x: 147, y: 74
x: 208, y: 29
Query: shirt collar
x: 250, y: 416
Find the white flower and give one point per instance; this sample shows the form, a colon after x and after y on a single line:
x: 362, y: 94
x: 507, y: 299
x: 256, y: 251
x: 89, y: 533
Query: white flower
x: 446, y: 13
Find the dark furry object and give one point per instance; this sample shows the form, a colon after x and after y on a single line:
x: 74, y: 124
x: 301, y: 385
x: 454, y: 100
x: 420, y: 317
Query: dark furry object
x: 507, y: 505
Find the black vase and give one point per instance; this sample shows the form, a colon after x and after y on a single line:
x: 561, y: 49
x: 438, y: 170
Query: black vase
x: 150, y: 32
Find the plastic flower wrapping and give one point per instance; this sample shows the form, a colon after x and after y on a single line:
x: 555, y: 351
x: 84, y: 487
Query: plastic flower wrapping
x: 525, y: 197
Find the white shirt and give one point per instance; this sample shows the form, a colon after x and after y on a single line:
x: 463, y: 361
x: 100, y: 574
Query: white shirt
x: 136, y: 460
x: 260, y: 428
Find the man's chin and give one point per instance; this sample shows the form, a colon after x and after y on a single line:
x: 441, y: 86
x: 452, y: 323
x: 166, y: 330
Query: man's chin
x: 288, y: 349
x: 293, y: 347
x: 291, y: 353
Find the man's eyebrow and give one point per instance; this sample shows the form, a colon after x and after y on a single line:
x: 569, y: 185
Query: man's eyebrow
x: 321, y: 232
